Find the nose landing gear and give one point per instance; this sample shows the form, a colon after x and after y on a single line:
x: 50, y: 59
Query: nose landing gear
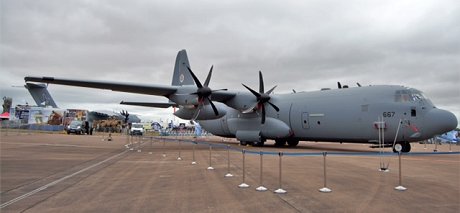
x: 405, y: 146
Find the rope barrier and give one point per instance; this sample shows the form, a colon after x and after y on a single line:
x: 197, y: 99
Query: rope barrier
x: 307, y: 154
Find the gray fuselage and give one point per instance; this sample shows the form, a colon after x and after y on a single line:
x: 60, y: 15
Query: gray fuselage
x: 342, y: 115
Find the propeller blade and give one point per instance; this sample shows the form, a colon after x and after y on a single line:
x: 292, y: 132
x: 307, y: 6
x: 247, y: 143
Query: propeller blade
x: 206, y: 83
x: 261, y: 82
x: 252, y: 91
x: 339, y: 85
x: 271, y: 90
x: 219, y: 90
x: 263, y: 114
x: 274, y: 106
x: 197, y: 82
x: 213, y: 107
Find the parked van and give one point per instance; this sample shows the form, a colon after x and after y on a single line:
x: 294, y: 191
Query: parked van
x: 137, y: 129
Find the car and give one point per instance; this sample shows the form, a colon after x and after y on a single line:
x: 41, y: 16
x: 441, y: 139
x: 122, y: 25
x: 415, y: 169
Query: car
x: 76, y: 127
x: 136, y: 129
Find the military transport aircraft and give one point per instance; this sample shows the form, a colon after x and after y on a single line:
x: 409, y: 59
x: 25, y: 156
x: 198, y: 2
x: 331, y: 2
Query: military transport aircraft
x: 345, y: 114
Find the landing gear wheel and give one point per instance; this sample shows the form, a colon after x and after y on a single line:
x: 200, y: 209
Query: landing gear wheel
x: 405, y: 147
x: 243, y: 143
x: 258, y: 144
x: 280, y: 142
x: 292, y: 142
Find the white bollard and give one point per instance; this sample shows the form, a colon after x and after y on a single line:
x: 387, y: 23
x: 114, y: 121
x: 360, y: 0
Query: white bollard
x: 193, y: 154
x: 244, y: 185
x: 164, y: 147
x: 228, y: 163
x: 261, y: 187
x: 280, y: 190
x: 400, y: 187
x: 179, y: 157
x: 325, y: 189
x: 210, y: 155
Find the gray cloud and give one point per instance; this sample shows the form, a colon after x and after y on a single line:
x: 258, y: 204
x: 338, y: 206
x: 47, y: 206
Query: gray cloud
x: 303, y: 45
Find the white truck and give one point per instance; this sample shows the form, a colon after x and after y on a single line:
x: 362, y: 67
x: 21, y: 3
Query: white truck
x: 137, y: 129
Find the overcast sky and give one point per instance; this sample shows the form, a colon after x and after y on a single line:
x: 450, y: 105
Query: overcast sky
x: 301, y: 45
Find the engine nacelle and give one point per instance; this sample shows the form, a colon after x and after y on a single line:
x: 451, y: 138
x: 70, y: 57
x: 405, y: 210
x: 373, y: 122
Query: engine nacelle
x: 272, y: 129
x: 252, y: 136
x: 206, y: 112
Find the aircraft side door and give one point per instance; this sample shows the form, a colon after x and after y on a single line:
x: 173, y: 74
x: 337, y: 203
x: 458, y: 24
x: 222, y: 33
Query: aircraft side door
x: 299, y: 120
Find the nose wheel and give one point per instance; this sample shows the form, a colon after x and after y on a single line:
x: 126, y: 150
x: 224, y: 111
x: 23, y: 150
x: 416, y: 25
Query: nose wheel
x: 405, y: 146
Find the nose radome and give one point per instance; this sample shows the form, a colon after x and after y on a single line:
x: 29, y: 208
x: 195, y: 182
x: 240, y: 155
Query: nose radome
x: 442, y: 120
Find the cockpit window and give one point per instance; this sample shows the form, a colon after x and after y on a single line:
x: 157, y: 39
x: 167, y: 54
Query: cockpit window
x: 411, y: 95
x: 402, y: 96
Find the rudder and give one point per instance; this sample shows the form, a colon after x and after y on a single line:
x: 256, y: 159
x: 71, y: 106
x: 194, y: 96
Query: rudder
x: 40, y: 94
x: 181, y: 74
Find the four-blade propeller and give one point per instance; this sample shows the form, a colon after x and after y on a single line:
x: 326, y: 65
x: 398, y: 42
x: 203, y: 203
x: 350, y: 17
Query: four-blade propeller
x: 204, y: 93
x: 262, y: 98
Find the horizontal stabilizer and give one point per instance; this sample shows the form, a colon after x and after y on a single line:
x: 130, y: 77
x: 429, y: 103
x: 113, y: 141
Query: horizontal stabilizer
x: 150, y: 104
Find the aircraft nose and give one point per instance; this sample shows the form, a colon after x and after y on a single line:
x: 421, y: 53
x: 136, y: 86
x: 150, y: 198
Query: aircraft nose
x: 442, y: 120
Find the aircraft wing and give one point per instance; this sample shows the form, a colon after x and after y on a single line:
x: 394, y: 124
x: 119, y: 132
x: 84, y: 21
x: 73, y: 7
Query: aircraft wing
x: 150, y: 104
x: 160, y: 90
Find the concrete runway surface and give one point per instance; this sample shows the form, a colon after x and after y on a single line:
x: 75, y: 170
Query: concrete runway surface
x: 77, y: 173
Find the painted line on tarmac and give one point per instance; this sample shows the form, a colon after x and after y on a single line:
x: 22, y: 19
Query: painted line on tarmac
x: 47, y: 144
x: 3, y: 205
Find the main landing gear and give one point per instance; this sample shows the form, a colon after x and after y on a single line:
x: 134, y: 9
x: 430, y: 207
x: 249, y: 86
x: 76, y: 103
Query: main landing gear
x: 290, y: 142
x: 278, y: 143
x: 258, y: 144
x: 405, y: 146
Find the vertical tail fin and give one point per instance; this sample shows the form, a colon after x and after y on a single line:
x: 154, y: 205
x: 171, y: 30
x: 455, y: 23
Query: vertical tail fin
x: 181, y: 74
x: 40, y: 94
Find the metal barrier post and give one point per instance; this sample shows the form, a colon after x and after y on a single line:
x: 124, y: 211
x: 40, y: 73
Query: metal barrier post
x: 131, y: 144
x: 261, y: 188
x: 19, y: 128
x: 7, y: 128
x: 164, y: 147
x: 151, y: 145
x: 210, y: 154
x: 280, y: 190
x: 244, y: 185
x: 193, y: 153
x: 180, y: 142
x: 435, y: 145
x: 127, y: 139
x: 228, y: 163
x: 400, y: 187
x: 325, y: 189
